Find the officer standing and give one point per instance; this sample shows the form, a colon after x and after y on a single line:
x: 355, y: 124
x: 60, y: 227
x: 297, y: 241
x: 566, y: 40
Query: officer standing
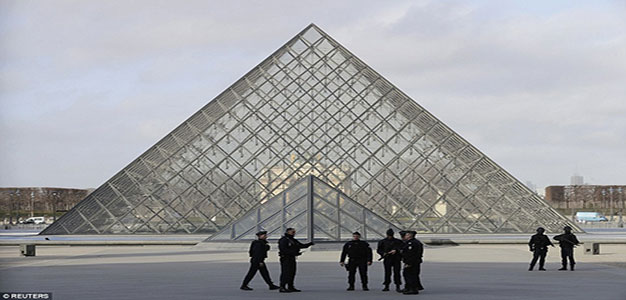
x: 359, y: 257
x: 258, y: 254
x: 288, y: 249
x: 567, y: 242
x: 412, y: 253
x: 389, y: 251
x: 539, y: 246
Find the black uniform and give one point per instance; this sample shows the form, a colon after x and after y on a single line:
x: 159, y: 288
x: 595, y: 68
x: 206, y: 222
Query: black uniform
x: 412, y: 253
x: 359, y: 255
x: 567, y: 241
x: 288, y: 249
x: 391, y: 261
x: 539, y: 245
x: 258, y: 254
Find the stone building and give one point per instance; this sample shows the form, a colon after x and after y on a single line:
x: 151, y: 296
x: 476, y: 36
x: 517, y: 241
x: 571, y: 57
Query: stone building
x: 596, y: 197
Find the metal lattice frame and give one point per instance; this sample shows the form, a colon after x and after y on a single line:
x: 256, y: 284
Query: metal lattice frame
x: 311, y: 108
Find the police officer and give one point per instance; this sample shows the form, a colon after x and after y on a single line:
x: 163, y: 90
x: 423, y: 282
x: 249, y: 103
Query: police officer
x: 539, y: 246
x: 412, y: 253
x: 288, y: 249
x: 389, y: 251
x: 258, y: 254
x: 567, y: 242
x: 359, y: 257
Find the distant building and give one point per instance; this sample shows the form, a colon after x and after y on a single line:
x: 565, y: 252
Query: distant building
x: 587, y: 196
x: 577, y: 180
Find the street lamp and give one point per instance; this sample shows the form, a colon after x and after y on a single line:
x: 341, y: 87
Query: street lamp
x: 32, y: 203
x: 620, y: 222
x: 11, y: 208
x: 611, y: 202
x: 18, y: 206
x: 54, y: 206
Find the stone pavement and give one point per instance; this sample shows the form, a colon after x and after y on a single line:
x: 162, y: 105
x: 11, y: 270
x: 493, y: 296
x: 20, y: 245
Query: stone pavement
x: 181, y: 272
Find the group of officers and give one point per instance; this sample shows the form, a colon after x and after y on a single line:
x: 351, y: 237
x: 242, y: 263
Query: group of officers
x: 397, y: 255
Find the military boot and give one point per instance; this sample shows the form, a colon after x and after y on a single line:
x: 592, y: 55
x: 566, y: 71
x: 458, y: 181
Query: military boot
x: 386, y: 289
x: 245, y: 288
x: 350, y: 288
x: 411, y: 292
x: 365, y: 288
x: 563, y: 268
x: 293, y: 289
x: 571, y: 267
x: 398, y: 288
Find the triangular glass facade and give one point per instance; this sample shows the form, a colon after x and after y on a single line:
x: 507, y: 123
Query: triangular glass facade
x: 315, y: 209
x: 311, y: 108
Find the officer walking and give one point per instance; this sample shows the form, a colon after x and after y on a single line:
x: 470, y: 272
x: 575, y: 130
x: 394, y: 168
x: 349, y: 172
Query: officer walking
x: 412, y: 253
x: 359, y: 257
x: 389, y: 251
x: 288, y: 249
x: 567, y: 242
x: 258, y: 254
x: 539, y: 246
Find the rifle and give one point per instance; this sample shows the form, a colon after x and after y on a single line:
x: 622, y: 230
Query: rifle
x: 561, y: 238
x: 387, y: 253
x: 382, y: 256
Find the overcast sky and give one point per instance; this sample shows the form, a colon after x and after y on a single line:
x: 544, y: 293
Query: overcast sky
x: 87, y: 86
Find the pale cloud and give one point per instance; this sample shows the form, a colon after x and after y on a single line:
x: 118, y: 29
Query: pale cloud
x: 85, y: 87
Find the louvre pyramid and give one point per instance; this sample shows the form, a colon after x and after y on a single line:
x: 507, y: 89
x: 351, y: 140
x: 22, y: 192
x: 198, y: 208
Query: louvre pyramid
x: 315, y: 209
x: 311, y: 108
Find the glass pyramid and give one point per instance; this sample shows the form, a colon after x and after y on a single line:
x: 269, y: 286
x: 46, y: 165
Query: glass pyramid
x: 315, y: 209
x: 311, y: 108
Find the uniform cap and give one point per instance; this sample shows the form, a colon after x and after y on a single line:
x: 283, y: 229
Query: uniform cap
x: 389, y: 232
x: 356, y: 233
x: 262, y: 232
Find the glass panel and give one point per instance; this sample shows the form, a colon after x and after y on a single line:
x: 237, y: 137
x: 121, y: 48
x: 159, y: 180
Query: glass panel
x: 246, y: 224
x: 297, y: 191
x: 271, y: 207
x: 300, y: 225
x: 224, y: 235
x: 350, y: 207
x: 295, y: 208
x: 325, y: 229
x: 377, y: 224
x: 324, y: 208
x: 273, y: 224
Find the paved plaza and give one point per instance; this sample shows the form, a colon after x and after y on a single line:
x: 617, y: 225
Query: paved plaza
x: 184, y: 272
